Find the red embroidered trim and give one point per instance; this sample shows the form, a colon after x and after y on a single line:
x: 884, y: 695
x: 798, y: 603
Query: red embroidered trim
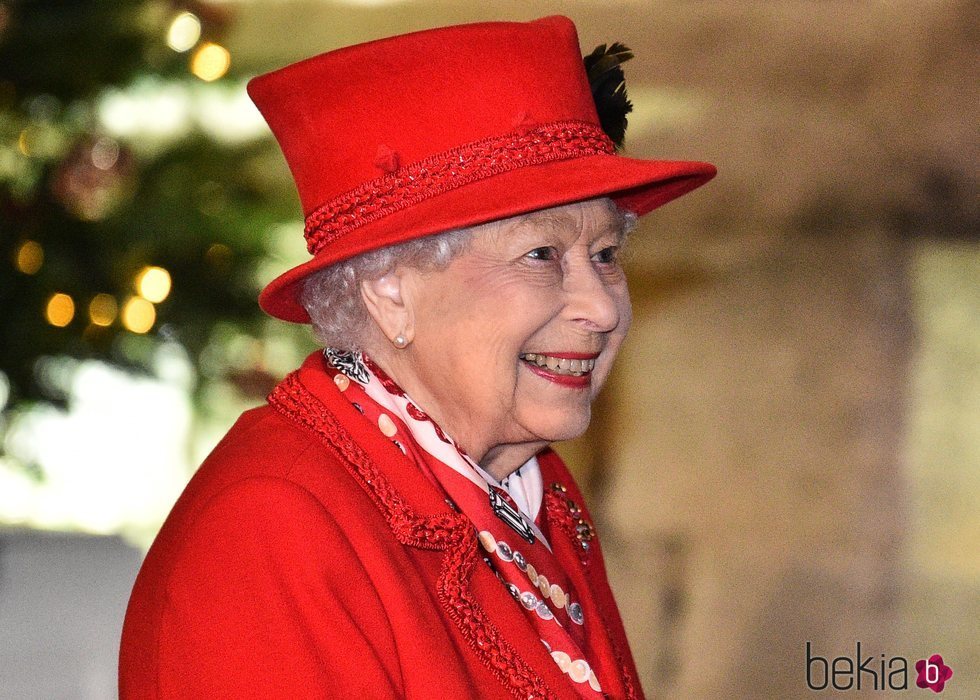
x: 568, y: 515
x: 451, y: 532
x: 627, y: 677
x: 450, y: 170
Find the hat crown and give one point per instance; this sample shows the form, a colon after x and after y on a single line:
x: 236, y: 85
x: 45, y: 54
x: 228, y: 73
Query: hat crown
x: 412, y: 96
x: 441, y: 129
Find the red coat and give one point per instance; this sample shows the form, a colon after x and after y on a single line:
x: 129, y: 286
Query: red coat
x: 308, y: 558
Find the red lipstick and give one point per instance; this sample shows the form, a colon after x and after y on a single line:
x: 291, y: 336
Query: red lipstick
x: 568, y: 380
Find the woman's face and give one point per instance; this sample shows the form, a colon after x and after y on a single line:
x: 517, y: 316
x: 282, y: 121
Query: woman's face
x: 515, y: 337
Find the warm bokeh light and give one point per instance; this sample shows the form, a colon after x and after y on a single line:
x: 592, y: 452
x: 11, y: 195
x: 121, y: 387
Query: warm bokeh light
x: 103, y: 309
x: 210, y: 61
x: 24, y: 141
x: 153, y: 113
x: 153, y: 284
x: 138, y: 315
x: 30, y: 257
x: 105, y: 153
x: 184, y: 31
x: 218, y: 254
x: 60, y: 310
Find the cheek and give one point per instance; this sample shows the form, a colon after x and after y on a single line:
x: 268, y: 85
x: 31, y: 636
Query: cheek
x: 476, y: 332
x: 508, y: 309
x: 625, y: 314
x: 615, y: 341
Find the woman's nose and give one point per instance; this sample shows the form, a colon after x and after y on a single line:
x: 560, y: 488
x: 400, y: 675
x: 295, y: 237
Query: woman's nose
x: 590, y: 300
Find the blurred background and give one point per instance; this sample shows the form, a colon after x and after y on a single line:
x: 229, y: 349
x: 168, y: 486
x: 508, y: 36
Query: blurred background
x: 789, y: 450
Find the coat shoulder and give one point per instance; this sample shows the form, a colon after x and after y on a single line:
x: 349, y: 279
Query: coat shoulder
x: 258, y: 524
x: 263, y: 444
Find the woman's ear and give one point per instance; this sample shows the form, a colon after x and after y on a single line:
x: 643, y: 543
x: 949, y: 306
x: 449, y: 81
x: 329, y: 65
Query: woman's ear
x: 389, y: 302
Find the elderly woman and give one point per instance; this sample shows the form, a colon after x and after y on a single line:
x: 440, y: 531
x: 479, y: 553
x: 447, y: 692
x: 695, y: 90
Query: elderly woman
x: 393, y: 523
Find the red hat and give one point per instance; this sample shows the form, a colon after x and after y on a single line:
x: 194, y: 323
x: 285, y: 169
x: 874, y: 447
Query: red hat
x: 422, y: 133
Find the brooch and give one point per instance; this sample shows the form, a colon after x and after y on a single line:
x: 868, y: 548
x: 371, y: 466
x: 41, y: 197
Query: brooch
x: 584, y: 530
x: 511, y: 516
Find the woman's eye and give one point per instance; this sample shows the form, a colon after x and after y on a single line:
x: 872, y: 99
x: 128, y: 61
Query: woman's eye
x: 607, y: 255
x: 543, y: 253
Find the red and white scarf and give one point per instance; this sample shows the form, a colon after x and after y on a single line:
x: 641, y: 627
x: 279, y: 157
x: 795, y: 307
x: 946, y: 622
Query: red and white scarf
x: 506, y: 515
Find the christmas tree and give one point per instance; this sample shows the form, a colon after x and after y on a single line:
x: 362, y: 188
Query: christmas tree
x: 136, y: 200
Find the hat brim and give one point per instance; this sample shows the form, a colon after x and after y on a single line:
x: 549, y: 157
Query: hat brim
x: 636, y: 185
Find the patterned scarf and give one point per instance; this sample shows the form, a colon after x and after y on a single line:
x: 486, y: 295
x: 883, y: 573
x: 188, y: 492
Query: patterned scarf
x: 514, y: 545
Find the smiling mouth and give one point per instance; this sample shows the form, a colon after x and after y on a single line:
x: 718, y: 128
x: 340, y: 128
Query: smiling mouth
x: 576, y: 366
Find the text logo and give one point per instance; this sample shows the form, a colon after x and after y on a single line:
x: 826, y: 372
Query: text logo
x: 871, y: 672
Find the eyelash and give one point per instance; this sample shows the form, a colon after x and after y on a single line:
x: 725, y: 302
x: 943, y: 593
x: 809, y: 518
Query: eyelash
x: 611, y: 254
x: 550, y: 251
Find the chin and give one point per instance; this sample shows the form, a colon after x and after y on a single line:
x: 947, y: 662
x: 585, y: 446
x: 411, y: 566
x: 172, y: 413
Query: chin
x: 565, y: 426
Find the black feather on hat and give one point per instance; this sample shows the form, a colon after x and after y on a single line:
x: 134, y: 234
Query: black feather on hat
x: 609, y: 88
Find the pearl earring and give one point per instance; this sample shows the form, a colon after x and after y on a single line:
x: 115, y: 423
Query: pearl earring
x: 400, y: 341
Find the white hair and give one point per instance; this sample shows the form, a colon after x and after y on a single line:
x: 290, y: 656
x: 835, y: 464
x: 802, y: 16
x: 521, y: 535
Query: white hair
x: 332, y: 296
